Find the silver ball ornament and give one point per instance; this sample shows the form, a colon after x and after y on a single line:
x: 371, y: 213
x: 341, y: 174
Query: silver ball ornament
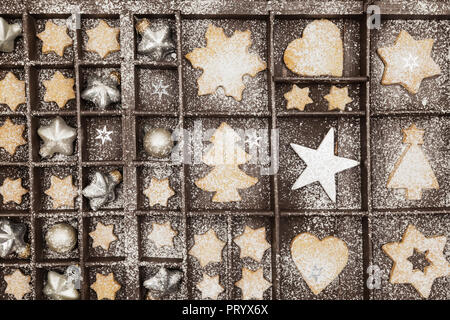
x: 61, y: 238
x: 158, y: 142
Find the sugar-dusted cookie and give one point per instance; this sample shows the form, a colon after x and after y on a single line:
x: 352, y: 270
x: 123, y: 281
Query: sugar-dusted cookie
x: 162, y: 234
x: 102, y: 236
x: 224, y: 62
x: 105, y: 287
x: 62, y: 192
x: 297, y: 98
x: 207, y: 248
x: 253, y: 284
x: 59, y: 89
x: 54, y: 38
x: 252, y: 243
x: 12, y: 190
x: 319, y: 261
x: 408, y: 62
x: 12, y: 91
x: 210, y: 287
x: 403, y: 271
x: 159, y: 192
x: 338, y: 98
x: 11, y: 136
x: 103, y: 39
x: 318, y: 53
x: 18, y: 284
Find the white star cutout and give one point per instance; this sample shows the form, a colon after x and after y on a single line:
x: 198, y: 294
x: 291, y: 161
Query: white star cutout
x: 210, y: 287
x: 103, y: 135
x: 322, y: 165
x: 159, y: 89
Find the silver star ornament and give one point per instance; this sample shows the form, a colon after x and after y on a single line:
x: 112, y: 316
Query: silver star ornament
x: 164, y: 282
x: 8, y: 33
x: 11, y: 239
x: 58, y: 137
x: 60, y: 287
x: 156, y: 41
x: 101, y: 190
x: 102, y: 91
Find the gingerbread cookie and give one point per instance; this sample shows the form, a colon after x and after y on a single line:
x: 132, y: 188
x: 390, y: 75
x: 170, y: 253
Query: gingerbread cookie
x: 18, y: 284
x: 11, y: 136
x: 253, y: 284
x: 162, y: 234
x: 319, y: 53
x: 210, y: 287
x: 12, y: 191
x: 62, y: 192
x: 105, y: 287
x: 207, y: 248
x: 252, y: 243
x: 103, y: 39
x: 59, y: 89
x: 102, y: 236
x: 224, y: 62
x: 408, y: 62
x: 297, y: 98
x: 159, y: 192
x: 54, y: 38
x: 338, y: 98
x: 12, y: 91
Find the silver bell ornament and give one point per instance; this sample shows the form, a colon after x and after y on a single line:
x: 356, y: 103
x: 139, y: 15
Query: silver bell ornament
x: 158, y: 142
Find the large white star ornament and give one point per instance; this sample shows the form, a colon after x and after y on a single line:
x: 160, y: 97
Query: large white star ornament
x: 322, y: 165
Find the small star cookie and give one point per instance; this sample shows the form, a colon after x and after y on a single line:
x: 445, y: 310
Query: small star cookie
x: 253, y: 284
x: 102, y: 236
x: 162, y: 234
x: 62, y: 192
x: 207, y: 248
x: 408, y: 62
x: 252, y: 243
x: 12, y: 191
x: 59, y: 89
x: 105, y: 287
x: 18, y: 284
x: 224, y: 62
x: 55, y: 38
x: 12, y: 91
x: 103, y: 39
x: 338, y: 98
x: 11, y: 136
x: 210, y: 287
x: 297, y: 98
x: 159, y: 192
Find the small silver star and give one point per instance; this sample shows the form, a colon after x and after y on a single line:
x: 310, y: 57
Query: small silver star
x: 101, y: 189
x: 315, y: 273
x: 253, y: 139
x: 164, y: 282
x: 102, y: 91
x: 157, y: 43
x: 160, y: 89
x: 58, y: 137
x: 8, y: 33
x: 11, y: 238
x: 60, y: 287
x: 103, y: 135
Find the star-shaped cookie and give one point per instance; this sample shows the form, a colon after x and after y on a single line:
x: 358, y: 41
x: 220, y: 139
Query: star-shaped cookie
x: 159, y: 192
x: 207, y: 248
x: 403, y: 270
x: 224, y: 62
x: 62, y: 192
x: 162, y: 234
x: 253, y: 284
x: 18, y: 284
x: 105, y: 287
x: 12, y: 91
x: 54, y: 38
x: 12, y: 190
x: 59, y: 89
x: 11, y: 136
x: 102, y: 236
x: 252, y: 243
x: 338, y: 98
x: 297, y: 98
x: 210, y: 287
x: 103, y: 39
x: 408, y: 62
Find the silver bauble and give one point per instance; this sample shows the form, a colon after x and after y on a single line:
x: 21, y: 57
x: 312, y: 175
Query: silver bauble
x: 61, y: 238
x: 158, y: 142
x: 60, y: 287
x: 8, y: 33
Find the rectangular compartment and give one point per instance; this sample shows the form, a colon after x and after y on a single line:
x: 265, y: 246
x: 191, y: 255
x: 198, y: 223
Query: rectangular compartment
x: 14, y: 173
x: 21, y: 151
x: 19, y: 73
x: 19, y: 53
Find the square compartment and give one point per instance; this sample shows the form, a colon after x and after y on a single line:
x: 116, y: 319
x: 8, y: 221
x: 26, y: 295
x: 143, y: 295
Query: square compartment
x: 13, y: 258
x: 13, y: 173
x: 90, y: 22
x: 4, y: 271
x: 146, y: 272
x: 120, y: 276
x: 310, y: 132
x: 41, y: 279
x: 19, y: 73
x: 116, y: 249
x: 349, y: 284
x: 21, y: 154
x: 18, y: 55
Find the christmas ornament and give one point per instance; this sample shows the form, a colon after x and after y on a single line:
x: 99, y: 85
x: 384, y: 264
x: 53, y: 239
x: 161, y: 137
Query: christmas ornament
x: 102, y: 91
x: 164, y: 282
x: 102, y: 236
x: 18, y: 284
x: 210, y: 287
x: 408, y: 62
x: 12, y: 191
x: 8, y: 33
x: 101, y: 189
x: 224, y: 62
x: 297, y: 98
x: 158, y: 142
x: 253, y: 284
x: 402, y: 270
x: 60, y: 287
x: 252, y: 243
x: 103, y: 135
x: 412, y: 170
x: 226, y: 156
x: 160, y: 89
x: 12, y: 239
x: 11, y: 136
x: 159, y: 192
x: 61, y: 238
x: 58, y: 137
x: 55, y: 38
x: 319, y: 261
x: 12, y: 91
x: 62, y: 192
x: 322, y: 165
x: 105, y: 287
x: 338, y: 98
x: 59, y: 89
x: 156, y: 41
x: 162, y: 234
x: 103, y: 39
x: 207, y: 240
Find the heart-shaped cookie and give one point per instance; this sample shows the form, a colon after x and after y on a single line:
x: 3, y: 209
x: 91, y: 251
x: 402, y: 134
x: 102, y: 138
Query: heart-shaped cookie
x: 319, y: 261
x: 318, y: 53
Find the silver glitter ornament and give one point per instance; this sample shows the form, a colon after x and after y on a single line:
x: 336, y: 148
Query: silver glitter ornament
x: 101, y: 190
x: 102, y: 91
x: 158, y: 142
x: 58, y: 137
x: 11, y: 239
x: 61, y: 238
x: 164, y: 282
x: 60, y: 287
x: 156, y: 41
x: 8, y: 33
